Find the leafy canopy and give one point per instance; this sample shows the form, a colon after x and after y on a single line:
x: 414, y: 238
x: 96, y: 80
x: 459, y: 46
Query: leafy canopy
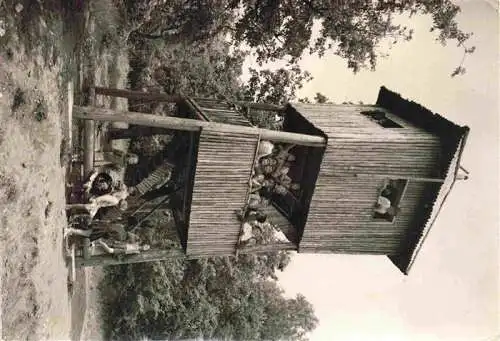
x: 225, y: 298
x: 351, y: 29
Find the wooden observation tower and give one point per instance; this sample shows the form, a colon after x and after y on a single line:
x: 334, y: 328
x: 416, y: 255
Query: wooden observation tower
x: 347, y: 158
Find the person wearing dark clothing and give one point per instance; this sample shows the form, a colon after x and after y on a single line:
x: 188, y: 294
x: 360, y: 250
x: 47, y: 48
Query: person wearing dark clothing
x: 105, y: 230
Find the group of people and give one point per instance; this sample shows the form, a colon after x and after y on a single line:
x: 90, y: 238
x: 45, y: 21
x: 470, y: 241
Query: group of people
x: 270, y: 173
x: 101, y: 191
x: 269, y: 177
x: 257, y: 229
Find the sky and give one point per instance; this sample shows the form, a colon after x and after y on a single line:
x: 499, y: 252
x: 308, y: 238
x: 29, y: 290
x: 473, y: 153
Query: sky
x: 452, y: 291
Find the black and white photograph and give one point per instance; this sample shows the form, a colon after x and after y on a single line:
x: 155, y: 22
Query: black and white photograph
x: 249, y: 170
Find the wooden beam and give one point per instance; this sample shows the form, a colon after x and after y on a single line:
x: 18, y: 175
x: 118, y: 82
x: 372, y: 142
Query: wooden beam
x: 402, y: 177
x: 180, y: 227
x: 163, y: 201
x: 136, y: 131
x: 253, y: 105
x: 268, y: 248
x: 188, y: 179
x: 73, y: 263
x: 260, y: 106
x: 88, y: 140
x: 159, y: 97
x: 149, y: 97
x: 139, y: 95
x: 86, y: 248
x: 161, y: 255
x: 68, y: 129
x: 193, y: 106
x: 184, y: 124
x: 144, y: 256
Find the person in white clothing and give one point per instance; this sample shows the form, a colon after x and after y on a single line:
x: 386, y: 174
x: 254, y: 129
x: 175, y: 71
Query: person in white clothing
x: 265, y: 148
x: 383, y: 205
x: 119, y: 248
x: 116, y: 198
x: 250, y: 223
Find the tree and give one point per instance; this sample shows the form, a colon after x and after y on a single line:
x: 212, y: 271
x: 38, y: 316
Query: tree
x: 227, y: 298
x: 275, y: 30
x: 278, y: 87
x: 178, y: 20
x: 287, y: 319
x: 353, y: 29
x: 320, y: 98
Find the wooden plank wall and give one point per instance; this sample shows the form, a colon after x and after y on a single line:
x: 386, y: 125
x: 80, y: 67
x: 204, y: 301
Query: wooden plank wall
x: 362, y: 146
x: 335, y: 119
x: 340, y: 217
x: 220, y: 188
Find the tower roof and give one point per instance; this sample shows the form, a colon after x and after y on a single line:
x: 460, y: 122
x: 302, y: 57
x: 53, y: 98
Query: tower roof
x: 453, y: 139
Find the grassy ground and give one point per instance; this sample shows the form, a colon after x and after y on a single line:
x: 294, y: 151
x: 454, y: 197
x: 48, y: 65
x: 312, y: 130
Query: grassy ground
x: 42, y: 46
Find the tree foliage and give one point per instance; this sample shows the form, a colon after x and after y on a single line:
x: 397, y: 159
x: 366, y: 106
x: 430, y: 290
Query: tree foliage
x: 275, y: 86
x: 177, y: 21
x: 275, y: 30
x: 208, y: 69
x: 226, y: 298
x: 353, y: 30
x: 320, y: 98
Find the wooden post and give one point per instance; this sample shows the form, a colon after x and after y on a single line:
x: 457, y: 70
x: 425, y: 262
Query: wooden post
x: 402, y: 177
x: 144, y: 256
x: 68, y: 129
x: 150, y: 97
x: 86, y: 248
x: 254, y: 105
x: 188, y: 182
x: 160, y: 255
x: 277, y: 246
x: 196, y: 110
x: 138, y: 95
x: 260, y: 106
x: 136, y: 131
x: 184, y: 124
x: 73, y: 263
x: 159, y: 97
x: 165, y: 200
x: 88, y: 140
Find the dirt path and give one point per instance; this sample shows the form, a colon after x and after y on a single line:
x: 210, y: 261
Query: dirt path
x: 37, y: 58
x: 34, y: 292
x: 39, y: 52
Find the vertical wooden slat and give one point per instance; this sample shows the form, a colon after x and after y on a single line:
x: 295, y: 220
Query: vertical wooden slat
x: 220, y: 188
